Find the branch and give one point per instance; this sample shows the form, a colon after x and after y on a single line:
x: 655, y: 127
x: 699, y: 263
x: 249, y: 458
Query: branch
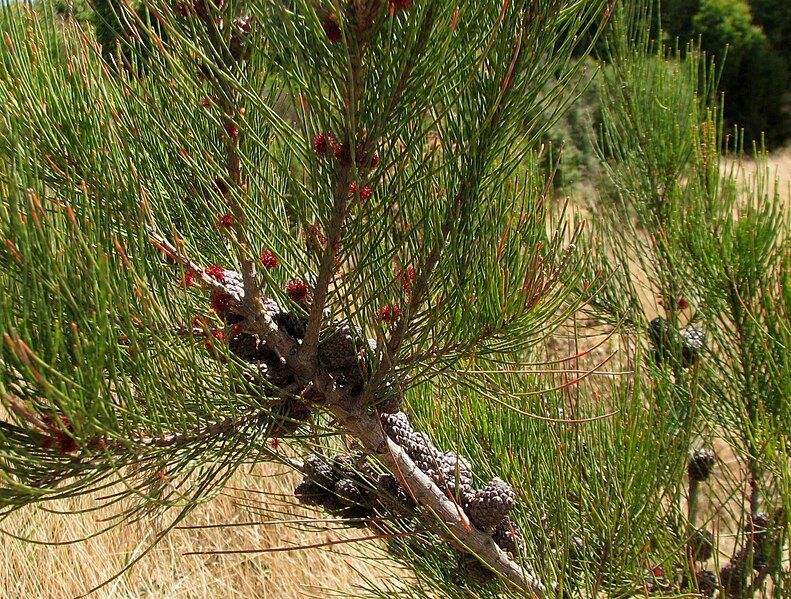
x: 456, y: 527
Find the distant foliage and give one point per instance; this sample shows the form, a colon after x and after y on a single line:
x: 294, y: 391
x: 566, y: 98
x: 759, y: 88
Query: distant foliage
x: 754, y: 55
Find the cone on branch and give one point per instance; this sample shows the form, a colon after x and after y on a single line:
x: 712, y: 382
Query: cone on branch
x: 488, y: 507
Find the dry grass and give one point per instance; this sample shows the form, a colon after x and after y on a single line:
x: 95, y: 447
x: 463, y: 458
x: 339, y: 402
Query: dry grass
x: 779, y: 171
x: 70, y: 570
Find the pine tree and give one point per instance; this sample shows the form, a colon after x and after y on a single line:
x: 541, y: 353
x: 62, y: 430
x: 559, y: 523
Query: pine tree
x: 318, y: 234
x: 244, y: 221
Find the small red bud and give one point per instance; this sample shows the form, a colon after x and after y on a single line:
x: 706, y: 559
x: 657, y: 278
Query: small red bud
x: 189, y: 278
x: 274, y: 443
x: 297, y: 290
x: 232, y: 131
x: 407, y: 276
x: 388, y: 313
x: 366, y: 193
x: 225, y: 221
x: 682, y: 303
x: 320, y: 144
x: 269, y: 260
x: 216, y: 272
x: 220, y: 302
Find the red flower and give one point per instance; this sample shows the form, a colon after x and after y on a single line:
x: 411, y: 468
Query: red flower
x: 366, y: 193
x: 269, y: 260
x: 189, y: 278
x: 216, y: 272
x: 352, y: 189
x: 682, y: 303
x: 220, y: 302
x: 297, y: 290
x: 225, y: 221
x: 274, y: 443
x: 388, y: 313
x: 232, y: 130
x: 407, y: 278
x: 321, y: 144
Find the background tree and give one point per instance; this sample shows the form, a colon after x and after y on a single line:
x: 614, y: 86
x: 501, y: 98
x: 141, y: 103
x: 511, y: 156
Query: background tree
x: 747, y: 41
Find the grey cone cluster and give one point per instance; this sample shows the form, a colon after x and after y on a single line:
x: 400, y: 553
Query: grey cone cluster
x: 761, y: 543
x: 342, y: 351
x: 686, y: 345
x: 349, y: 486
x: 487, y: 508
x: 701, y: 462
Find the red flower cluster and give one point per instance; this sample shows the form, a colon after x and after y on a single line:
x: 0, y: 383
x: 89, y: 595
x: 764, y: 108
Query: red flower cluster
x: 189, y: 278
x: 388, y: 313
x: 232, y: 130
x: 320, y: 144
x: 220, y: 302
x: 407, y: 276
x: 365, y: 193
x: 297, y: 290
x: 269, y: 260
x: 216, y: 272
x: 225, y: 221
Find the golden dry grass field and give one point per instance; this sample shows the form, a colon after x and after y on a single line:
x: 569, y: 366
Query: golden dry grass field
x: 64, y: 571
x: 70, y: 570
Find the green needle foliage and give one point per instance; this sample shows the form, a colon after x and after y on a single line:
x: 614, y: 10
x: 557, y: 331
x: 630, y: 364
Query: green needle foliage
x: 374, y: 168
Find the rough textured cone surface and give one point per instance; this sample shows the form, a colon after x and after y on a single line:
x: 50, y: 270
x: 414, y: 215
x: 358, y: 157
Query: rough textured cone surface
x: 338, y: 348
x: 706, y: 582
x: 759, y: 522
x: 472, y: 568
x: 659, y: 334
x: 291, y: 323
x: 392, y: 495
x: 234, y: 284
x: 693, y: 344
x: 320, y: 472
x: 421, y: 449
x: 351, y: 379
x: 701, y: 545
x: 456, y: 472
x: 700, y: 465
x: 397, y: 427
x: 309, y: 493
x: 733, y: 579
x: 390, y: 404
x: 349, y: 493
x: 488, y: 506
x: 508, y: 537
